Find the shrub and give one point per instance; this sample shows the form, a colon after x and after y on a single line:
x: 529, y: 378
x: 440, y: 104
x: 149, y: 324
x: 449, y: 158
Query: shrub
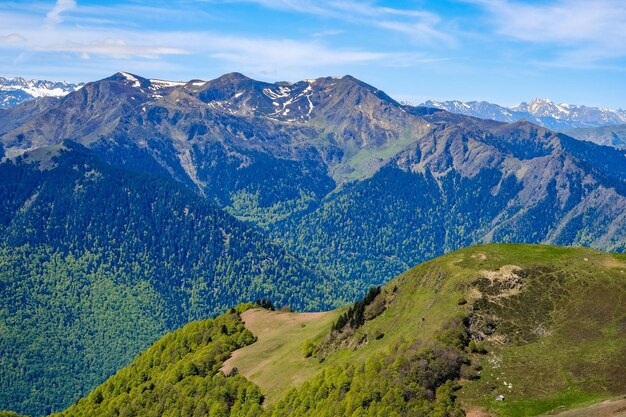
x: 308, y: 349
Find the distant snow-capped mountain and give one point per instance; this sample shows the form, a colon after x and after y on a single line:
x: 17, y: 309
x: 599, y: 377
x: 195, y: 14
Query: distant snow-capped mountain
x: 14, y: 91
x: 541, y: 111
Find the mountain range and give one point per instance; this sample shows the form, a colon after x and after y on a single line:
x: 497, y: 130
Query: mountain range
x: 14, y: 91
x: 598, y: 125
x: 540, y: 111
x: 204, y: 194
x: 343, y: 175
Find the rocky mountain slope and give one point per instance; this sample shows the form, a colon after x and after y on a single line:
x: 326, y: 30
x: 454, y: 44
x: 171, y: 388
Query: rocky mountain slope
x: 345, y: 176
x: 14, y: 91
x: 540, y: 111
x: 614, y: 135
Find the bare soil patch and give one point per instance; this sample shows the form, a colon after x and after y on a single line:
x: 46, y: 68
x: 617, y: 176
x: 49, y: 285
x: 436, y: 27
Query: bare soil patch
x: 609, y: 408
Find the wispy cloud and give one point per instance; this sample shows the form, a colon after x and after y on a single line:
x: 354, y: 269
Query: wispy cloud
x: 329, y: 32
x: 115, y: 48
x: 37, y: 30
x: 418, y: 25
x: 301, y: 6
x: 247, y: 53
x: 12, y: 39
x: 81, y: 37
x: 54, y: 16
x: 585, y: 31
x: 284, y: 55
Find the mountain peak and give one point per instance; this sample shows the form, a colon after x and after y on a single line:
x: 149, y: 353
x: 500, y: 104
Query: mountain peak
x: 523, y: 124
x: 352, y: 80
x: 540, y: 100
x: 140, y: 82
x: 130, y: 79
x: 16, y: 90
x: 348, y: 77
x: 349, y: 81
x: 235, y: 77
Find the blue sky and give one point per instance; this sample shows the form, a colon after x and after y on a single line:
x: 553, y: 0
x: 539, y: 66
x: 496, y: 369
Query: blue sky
x: 504, y: 51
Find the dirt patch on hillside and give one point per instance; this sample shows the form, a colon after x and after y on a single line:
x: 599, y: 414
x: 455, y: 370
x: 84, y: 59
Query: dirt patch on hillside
x: 275, y: 361
x: 611, y: 408
x: 507, y: 280
x: 257, y: 320
x: 611, y: 262
x: 506, y: 273
x: 265, y: 325
x: 227, y: 367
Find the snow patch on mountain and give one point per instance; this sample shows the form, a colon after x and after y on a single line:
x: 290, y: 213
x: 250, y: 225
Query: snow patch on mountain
x: 544, y: 112
x: 132, y: 79
x: 14, y: 91
x: 158, y: 84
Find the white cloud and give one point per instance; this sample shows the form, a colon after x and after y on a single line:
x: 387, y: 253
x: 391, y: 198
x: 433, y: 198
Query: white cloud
x: 115, y: 48
x: 87, y: 39
x: 419, y: 25
x: 54, y: 16
x: 12, y: 38
x: 83, y: 41
x: 288, y: 53
x: 585, y: 31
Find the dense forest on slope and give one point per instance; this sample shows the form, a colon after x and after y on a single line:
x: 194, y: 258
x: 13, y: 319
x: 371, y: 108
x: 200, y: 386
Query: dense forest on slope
x: 178, y: 376
x: 96, y: 263
x: 390, y: 222
x: 514, y: 330
x: 449, y: 191
x: 340, y: 173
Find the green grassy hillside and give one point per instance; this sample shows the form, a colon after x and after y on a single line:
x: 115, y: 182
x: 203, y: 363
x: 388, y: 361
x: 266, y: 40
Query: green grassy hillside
x: 494, y: 330
x: 552, y: 321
